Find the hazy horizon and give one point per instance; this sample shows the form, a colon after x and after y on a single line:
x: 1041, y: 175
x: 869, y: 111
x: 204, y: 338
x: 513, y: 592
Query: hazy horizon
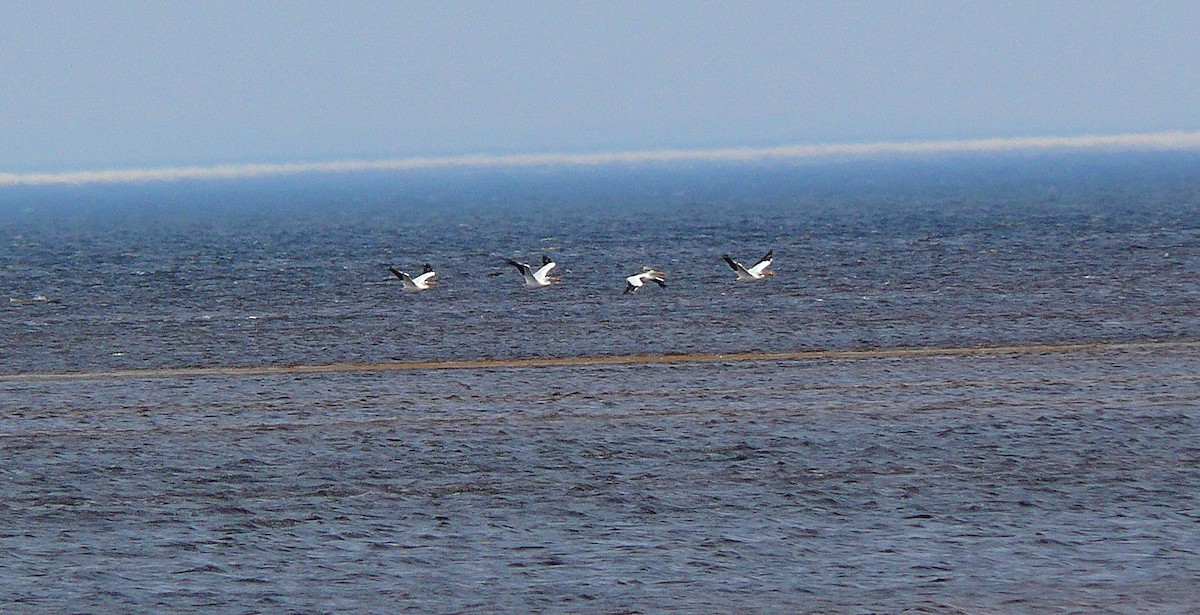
x: 1166, y: 141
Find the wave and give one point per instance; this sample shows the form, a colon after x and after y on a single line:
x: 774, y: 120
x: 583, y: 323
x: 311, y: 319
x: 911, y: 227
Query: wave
x: 1161, y: 141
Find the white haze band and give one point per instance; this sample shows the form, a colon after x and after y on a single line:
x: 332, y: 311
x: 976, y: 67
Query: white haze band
x: 1160, y: 141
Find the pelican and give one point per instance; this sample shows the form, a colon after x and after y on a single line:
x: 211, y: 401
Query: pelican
x: 648, y: 274
x: 535, y: 279
x: 757, y: 272
x: 422, y: 282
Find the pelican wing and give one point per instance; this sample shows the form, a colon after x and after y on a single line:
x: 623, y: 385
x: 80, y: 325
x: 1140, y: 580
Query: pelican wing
x: 531, y: 280
x: 424, y: 277
x: 522, y: 267
x: 540, y: 274
x: 742, y: 273
x: 762, y: 264
x: 409, y: 284
x: 638, y: 280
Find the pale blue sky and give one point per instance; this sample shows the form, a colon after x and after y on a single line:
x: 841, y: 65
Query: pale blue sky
x: 93, y: 85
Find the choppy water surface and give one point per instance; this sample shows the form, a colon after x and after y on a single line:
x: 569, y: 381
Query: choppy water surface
x: 1000, y: 481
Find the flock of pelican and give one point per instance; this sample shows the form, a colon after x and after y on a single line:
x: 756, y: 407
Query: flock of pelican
x: 541, y: 278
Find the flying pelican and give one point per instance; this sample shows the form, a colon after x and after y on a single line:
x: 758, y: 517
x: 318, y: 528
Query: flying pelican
x: 535, y: 279
x: 648, y: 274
x: 422, y: 282
x: 757, y: 272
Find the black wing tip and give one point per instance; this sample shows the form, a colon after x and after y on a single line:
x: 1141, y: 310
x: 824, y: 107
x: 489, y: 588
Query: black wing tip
x: 768, y: 256
x: 661, y: 284
x: 428, y: 268
x: 629, y: 288
x: 546, y: 260
x: 729, y: 261
x: 396, y: 272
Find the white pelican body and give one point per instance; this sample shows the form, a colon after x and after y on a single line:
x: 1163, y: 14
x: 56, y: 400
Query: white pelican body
x: 424, y: 281
x: 757, y: 272
x: 535, y: 279
x: 648, y: 274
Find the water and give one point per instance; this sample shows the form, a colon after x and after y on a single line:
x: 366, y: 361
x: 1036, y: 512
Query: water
x: 1049, y: 478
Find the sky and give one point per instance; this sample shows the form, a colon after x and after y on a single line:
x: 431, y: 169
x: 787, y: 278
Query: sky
x: 90, y: 86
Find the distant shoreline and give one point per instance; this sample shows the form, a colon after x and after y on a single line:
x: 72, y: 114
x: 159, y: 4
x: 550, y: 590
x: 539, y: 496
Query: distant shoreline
x: 1158, y: 141
x: 647, y: 359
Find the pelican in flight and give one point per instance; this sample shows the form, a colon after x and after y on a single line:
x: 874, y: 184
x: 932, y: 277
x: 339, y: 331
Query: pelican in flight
x: 648, y: 274
x: 424, y: 281
x: 757, y: 272
x: 535, y: 279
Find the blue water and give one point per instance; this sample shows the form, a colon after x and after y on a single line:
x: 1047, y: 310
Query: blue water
x: 1015, y: 480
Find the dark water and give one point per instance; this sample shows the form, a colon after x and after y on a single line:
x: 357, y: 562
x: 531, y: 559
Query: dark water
x: 1010, y: 482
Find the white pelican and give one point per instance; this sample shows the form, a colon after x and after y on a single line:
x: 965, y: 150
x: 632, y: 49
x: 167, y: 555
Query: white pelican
x: 422, y: 282
x: 757, y: 272
x: 535, y: 279
x: 648, y: 274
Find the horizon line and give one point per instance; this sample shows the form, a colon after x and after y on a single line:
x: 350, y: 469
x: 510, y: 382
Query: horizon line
x: 1155, y: 141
